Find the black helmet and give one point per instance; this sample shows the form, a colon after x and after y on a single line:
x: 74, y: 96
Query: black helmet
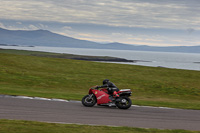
x: 105, y: 81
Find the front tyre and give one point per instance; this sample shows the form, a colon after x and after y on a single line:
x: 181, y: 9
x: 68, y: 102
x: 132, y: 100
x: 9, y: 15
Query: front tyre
x: 124, y: 103
x: 89, y: 100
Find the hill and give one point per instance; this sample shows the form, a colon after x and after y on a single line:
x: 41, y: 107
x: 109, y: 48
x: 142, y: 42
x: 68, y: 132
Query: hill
x: 40, y: 38
x: 47, y: 38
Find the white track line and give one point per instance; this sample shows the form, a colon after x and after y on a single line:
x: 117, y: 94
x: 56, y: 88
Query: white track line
x: 62, y: 100
x: 34, y: 98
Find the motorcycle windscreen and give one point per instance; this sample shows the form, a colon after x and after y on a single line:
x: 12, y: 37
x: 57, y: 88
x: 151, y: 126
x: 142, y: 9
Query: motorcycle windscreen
x: 102, y: 97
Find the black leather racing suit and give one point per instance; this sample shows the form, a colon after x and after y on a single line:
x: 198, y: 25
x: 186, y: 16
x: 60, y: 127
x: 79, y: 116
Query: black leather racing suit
x: 111, y: 87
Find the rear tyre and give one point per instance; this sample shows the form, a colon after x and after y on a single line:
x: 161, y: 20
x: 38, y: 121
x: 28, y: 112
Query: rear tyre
x: 89, y: 100
x: 124, y: 103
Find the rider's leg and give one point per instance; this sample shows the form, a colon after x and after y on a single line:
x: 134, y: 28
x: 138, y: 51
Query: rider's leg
x: 115, y: 94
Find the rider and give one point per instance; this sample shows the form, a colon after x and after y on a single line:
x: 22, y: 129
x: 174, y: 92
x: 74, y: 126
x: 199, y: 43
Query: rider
x: 111, y: 87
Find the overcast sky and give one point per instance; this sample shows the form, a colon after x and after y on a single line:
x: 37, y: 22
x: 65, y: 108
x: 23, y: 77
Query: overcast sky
x: 141, y: 22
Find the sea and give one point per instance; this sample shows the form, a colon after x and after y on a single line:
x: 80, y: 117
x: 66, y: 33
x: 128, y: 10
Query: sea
x: 187, y: 61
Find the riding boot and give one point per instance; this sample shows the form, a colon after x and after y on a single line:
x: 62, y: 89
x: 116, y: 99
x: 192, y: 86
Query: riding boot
x: 115, y: 94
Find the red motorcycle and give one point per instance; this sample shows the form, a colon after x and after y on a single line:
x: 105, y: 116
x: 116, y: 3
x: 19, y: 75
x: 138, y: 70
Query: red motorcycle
x: 101, y: 97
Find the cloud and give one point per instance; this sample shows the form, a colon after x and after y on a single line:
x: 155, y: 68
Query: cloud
x: 152, y: 22
x: 2, y: 25
x: 33, y: 27
x: 134, y: 13
x: 18, y: 22
x: 67, y: 28
x: 190, y: 30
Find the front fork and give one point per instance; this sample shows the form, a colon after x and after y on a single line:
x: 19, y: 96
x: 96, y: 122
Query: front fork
x: 90, y: 96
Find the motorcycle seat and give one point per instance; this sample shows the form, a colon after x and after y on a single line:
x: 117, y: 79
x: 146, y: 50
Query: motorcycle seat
x: 125, y: 90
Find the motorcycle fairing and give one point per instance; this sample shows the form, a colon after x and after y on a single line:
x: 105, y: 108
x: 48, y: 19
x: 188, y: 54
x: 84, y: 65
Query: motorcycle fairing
x: 102, y: 97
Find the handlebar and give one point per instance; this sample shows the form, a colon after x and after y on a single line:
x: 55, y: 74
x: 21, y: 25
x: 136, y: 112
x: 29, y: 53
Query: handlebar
x: 95, y: 87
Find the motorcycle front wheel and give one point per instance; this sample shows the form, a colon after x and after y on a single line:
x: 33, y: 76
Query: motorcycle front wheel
x: 89, y: 100
x: 124, y: 103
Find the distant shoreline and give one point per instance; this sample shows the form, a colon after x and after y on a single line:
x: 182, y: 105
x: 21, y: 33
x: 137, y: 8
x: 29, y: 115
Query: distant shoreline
x: 75, y: 57
x: 143, y: 58
x: 87, y: 58
x: 16, y: 45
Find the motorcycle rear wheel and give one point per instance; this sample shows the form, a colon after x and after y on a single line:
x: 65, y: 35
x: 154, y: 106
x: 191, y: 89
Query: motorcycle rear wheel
x: 124, y: 103
x: 89, y: 102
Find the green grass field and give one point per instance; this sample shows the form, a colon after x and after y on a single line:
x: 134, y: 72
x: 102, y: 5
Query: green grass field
x: 16, y: 126
x: 21, y: 73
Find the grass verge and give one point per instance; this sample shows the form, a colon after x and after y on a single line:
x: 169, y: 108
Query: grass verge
x: 19, y: 126
x: 24, y: 74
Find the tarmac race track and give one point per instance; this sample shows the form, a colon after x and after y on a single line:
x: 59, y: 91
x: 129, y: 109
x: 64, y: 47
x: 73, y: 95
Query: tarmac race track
x: 75, y: 112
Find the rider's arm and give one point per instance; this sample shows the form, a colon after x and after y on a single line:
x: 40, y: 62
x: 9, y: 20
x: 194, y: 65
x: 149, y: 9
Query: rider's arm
x: 103, y: 86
